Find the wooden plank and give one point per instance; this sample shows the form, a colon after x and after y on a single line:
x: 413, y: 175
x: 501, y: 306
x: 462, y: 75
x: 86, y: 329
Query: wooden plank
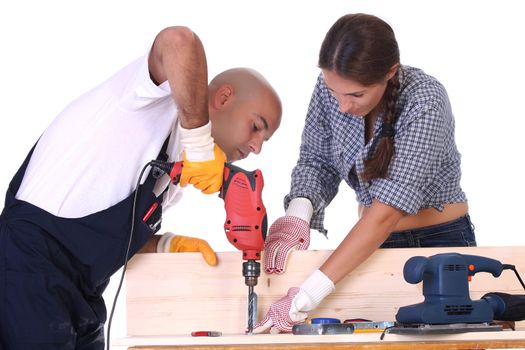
x: 174, y: 294
x: 363, y: 346
x: 481, y: 340
x: 456, y: 345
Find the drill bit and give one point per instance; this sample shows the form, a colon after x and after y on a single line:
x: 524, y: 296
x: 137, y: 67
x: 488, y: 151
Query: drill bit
x: 251, y: 269
x: 252, y: 309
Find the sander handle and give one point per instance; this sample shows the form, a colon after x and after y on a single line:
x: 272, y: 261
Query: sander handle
x: 478, y: 263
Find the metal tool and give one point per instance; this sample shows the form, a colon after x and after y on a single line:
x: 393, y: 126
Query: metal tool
x: 245, y: 225
x: 370, y: 327
x: 322, y: 328
x: 444, y: 328
x: 206, y: 334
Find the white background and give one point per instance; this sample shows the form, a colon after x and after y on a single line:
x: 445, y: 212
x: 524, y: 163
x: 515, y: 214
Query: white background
x: 52, y: 51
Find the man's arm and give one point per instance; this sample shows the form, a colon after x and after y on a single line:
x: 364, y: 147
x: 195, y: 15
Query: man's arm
x: 151, y: 245
x: 178, y: 56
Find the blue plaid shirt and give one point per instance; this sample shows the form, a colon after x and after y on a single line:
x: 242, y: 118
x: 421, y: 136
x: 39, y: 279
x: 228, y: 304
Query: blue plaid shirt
x: 424, y: 171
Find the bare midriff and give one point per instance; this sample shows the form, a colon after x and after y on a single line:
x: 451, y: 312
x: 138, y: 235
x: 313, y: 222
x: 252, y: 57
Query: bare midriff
x: 428, y: 216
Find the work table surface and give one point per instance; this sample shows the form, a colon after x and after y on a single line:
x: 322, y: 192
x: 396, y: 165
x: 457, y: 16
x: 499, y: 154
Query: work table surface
x: 473, y: 340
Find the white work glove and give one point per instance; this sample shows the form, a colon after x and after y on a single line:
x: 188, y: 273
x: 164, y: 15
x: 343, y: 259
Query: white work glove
x: 287, y: 233
x: 293, y: 308
x: 203, y: 165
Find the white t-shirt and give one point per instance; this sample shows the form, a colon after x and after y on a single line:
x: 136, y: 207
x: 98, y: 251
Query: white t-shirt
x: 91, y: 155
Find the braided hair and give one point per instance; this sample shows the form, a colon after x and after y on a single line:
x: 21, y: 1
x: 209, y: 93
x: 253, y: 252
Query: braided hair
x: 363, y: 48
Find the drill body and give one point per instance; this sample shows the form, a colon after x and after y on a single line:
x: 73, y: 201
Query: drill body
x: 246, y: 221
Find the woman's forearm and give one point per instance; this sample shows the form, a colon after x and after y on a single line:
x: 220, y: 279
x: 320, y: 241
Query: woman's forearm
x: 362, y: 241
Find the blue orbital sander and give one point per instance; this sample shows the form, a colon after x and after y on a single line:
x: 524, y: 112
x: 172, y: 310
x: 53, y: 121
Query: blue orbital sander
x: 447, y: 307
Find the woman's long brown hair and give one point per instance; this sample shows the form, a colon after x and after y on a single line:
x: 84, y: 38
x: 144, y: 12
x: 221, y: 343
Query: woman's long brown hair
x: 363, y: 48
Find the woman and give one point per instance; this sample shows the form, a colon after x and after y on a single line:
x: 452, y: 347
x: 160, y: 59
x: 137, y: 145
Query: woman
x: 387, y: 129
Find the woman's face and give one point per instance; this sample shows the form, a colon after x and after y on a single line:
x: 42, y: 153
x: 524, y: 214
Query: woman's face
x: 352, y: 97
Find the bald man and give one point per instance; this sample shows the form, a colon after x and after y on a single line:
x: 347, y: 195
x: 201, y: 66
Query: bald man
x: 67, y: 224
x: 245, y: 111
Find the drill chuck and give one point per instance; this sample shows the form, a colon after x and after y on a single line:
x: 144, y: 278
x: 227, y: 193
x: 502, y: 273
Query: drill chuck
x: 251, y: 270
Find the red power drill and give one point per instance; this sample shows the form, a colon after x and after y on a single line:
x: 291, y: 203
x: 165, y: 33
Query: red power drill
x: 246, y: 224
x: 246, y: 220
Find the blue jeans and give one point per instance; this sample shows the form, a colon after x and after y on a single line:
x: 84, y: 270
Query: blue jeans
x: 455, y: 233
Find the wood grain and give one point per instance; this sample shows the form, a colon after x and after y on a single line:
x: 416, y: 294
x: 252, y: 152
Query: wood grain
x: 175, y: 294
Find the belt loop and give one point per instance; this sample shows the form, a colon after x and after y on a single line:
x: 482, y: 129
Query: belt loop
x: 472, y: 227
x: 412, y: 242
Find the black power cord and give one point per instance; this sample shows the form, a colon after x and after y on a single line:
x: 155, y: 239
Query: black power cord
x: 127, y: 254
x: 159, y: 168
x: 513, y: 268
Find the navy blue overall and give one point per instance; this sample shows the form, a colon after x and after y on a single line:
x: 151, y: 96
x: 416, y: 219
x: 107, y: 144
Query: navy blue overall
x: 53, y: 270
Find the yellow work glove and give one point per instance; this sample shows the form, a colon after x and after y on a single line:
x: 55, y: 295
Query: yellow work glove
x: 170, y: 243
x: 205, y: 175
x: 203, y: 164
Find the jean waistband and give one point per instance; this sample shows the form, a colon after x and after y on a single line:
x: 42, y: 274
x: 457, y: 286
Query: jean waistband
x: 451, y: 222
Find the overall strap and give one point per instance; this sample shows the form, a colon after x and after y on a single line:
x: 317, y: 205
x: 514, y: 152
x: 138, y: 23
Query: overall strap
x: 153, y: 175
x: 15, y: 183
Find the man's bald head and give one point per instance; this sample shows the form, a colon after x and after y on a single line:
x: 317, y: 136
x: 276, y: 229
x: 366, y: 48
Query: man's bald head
x: 247, y: 82
x: 244, y: 109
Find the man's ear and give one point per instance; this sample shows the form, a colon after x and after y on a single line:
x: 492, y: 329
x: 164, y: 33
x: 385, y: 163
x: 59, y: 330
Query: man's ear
x: 223, y: 95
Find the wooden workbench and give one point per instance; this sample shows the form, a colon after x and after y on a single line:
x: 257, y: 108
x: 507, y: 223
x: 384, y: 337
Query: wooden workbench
x: 170, y: 295
x: 368, y: 341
